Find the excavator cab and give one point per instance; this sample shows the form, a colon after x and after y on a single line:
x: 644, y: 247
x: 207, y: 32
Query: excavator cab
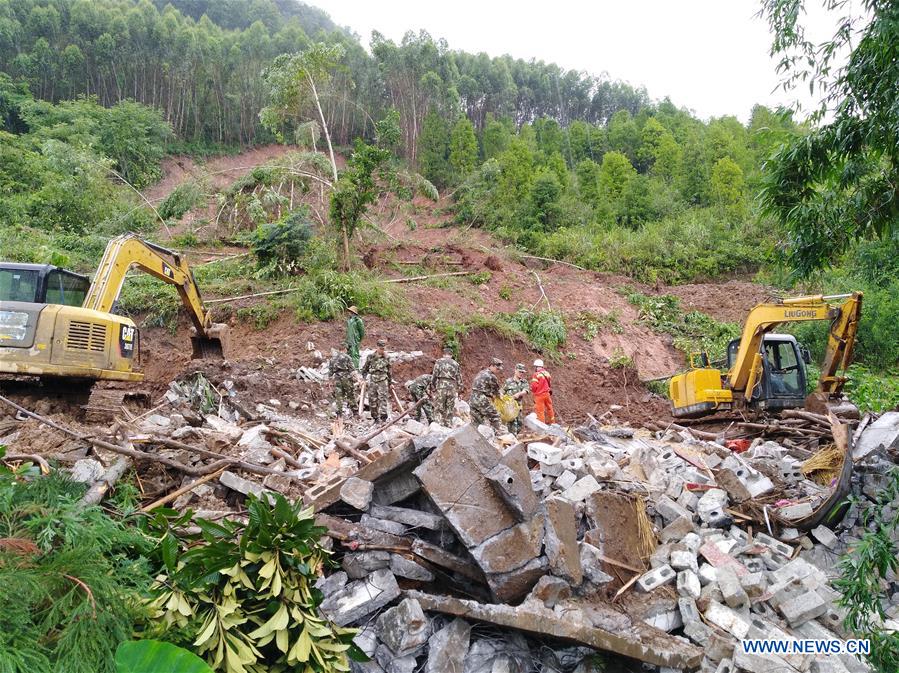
x: 783, y: 380
x: 42, y: 284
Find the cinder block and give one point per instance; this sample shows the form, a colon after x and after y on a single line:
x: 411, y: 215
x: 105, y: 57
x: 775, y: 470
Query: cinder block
x: 733, y: 592
x: 684, y: 560
x: 656, y: 578
x: 803, y: 608
x: 774, y: 545
x: 688, y: 584
x: 729, y: 620
x: 754, y: 584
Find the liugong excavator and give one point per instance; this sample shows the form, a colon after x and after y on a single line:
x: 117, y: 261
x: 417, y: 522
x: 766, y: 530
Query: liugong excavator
x: 55, y: 324
x: 767, y: 371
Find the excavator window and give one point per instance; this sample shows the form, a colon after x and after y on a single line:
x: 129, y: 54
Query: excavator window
x: 783, y: 366
x: 19, y: 284
x: 66, y: 288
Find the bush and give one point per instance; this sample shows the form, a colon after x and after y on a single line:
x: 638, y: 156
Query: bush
x: 278, y: 247
x: 184, y: 197
x: 544, y: 329
x: 71, y: 578
x: 325, y: 295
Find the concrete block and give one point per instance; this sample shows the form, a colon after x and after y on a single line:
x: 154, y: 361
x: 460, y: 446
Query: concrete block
x: 237, y: 483
x: 581, y: 489
x: 357, y: 493
x: 656, y: 578
x: 404, y: 628
x: 734, y: 594
x: 565, y: 480
x: 754, y: 584
x: 684, y: 560
x: 677, y: 529
x: 796, y: 511
x: 711, y: 508
x: 383, y: 525
x: 545, y: 453
x: 774, y: 545
x: 707, y: 574
x: 696, y: 631
x: 729, y: 620
x: 825, y: 536
x: 660, y: 556
x: 720, y: 646
x: 688, y: 584
x: 394, y: 664
x: 511, y: 481
x: 881, y: 435
x: 550, y: 591
x: 361, y: 598
x: 760, y: 663
x: 670, y: 511
x: 512, y: 548
x: 725, y: 666
x: 688, y: 610
x: 448, y: 647
x: 802, y: 608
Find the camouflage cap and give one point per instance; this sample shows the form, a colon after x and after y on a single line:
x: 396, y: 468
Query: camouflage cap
x: 496, y: 362
x: 382, y: 342
x: 520, y: 367
x: 448, y: 349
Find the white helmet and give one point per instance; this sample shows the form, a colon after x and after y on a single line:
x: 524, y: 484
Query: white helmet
x: 538, y: 362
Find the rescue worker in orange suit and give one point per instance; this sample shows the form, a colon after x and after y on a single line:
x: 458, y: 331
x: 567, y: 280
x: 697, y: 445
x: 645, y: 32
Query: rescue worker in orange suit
x: 542, y: 389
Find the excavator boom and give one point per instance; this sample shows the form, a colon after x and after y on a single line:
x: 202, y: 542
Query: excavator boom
x: 127, y: 251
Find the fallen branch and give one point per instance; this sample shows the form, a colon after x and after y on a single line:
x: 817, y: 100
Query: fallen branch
x: 181, y: 491
x: 33, y: 457
x: 232, y: 462
x: 435, y: 275
x: 251, y: 296
x: 555, y: 261
x: 100, y: 488
x: 542, y: 291
x: 353, y: 449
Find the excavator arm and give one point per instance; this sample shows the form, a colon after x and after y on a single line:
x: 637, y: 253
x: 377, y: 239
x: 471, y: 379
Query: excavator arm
x: 129, y: 250
x: 746, y: 369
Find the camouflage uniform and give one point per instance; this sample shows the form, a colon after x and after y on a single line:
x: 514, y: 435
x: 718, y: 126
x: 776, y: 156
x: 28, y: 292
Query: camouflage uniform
x: 445, y: 382
x: 484, y: 390
x: 377, y: 367
x: 512, y: 387
x: 341, y: 369
x: 418, y: 387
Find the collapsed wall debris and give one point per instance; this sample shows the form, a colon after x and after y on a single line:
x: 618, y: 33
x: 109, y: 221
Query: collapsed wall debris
x: 463, y: 552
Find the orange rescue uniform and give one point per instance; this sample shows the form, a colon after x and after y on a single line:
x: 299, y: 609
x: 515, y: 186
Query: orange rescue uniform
x: 542, y: 388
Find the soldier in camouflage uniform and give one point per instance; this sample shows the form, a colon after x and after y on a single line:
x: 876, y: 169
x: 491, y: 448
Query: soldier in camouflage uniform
x: 484, y: 391
x: 380, y: 380
x: 517, y: 387
x: 342, y: 372
x: 446, y: 381
x: 418, y: 388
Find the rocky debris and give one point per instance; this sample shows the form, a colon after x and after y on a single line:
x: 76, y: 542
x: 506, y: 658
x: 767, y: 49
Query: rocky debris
x: 463, y: 552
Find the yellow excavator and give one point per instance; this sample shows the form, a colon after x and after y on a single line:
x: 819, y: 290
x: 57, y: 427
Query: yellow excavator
x: 56, y: 324
x: 766, y: 371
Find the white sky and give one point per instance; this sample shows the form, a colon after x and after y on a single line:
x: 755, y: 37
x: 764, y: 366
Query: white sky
x: 710, y: 56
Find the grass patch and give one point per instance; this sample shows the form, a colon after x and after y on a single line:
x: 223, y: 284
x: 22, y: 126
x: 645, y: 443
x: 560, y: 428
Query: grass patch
x: 260, y: 315
x: 593, y: 325
x: 184, y: 197
x: 692, y: 331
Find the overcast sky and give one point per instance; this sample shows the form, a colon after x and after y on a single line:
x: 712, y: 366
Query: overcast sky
x: 710, y: 56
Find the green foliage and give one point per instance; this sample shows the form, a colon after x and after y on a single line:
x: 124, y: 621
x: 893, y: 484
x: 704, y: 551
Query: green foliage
x: 693, y: 331
x: 594, y: 325
x: 620, y: 360
x: 242, y: 594
x: 544, y: 329
x: 189, y: 194
x: 873, y: 391
x: 71, y: 577
x: 155, y: 656
x: 325, y: 295
x: 865, y: 569
x: 836, y: 184
x: 433, y: 152
x: 279, y: 247
x: 261, y: 315
x: 463, y: 148
x: 479, y: 278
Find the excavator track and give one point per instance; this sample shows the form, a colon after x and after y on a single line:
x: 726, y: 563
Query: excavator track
x: 106, y: 403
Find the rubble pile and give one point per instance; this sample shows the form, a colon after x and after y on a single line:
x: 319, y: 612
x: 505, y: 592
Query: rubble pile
x: 462, y: 552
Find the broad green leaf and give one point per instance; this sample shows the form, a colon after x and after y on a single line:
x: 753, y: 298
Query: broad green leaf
x: 154, y: 656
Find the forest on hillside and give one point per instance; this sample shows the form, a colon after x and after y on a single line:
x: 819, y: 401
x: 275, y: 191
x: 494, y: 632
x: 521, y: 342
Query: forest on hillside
x: 564, y: 164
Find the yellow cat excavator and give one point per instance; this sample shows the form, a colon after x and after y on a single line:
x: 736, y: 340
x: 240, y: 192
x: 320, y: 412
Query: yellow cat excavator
x: 55, y: 324
x: 766, y: 371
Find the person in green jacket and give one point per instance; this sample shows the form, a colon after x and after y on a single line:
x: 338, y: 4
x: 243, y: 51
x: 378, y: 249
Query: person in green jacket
x: 355, y: 331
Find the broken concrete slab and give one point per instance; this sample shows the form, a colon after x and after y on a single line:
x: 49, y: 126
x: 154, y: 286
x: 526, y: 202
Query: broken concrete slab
x: 454, y: 478
x: 629, y: 638
x: 512, y: 548
x: 361, y: 598
x: 404, y: 628
x: 360, y: 564
x: 357, y: 493
x: 581, y: 489
x: 561, y: 540
x: 448, y: 647
x: 413, y: 518
x: 591, y: 565
x: 404, y: 567
x: 881, y: 435
x: 550, y: 591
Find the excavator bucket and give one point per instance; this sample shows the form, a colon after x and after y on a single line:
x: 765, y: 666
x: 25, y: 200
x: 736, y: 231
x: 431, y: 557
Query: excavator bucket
x: 213, y: 345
